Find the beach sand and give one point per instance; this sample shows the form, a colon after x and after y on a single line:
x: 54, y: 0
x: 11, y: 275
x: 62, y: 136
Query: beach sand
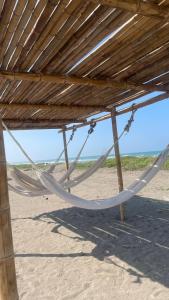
x: 66, y: 253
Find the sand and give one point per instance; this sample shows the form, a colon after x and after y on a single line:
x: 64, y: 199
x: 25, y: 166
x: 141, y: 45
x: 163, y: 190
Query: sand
x: 66, y: 253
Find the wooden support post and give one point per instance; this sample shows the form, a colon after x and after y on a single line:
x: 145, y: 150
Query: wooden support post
x: 118, y: 160
x: 66, y: 154
x: 8, y: 285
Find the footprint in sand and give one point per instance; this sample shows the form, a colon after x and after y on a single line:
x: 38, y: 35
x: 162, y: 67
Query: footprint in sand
x: 78, y: 293
x: 159, y: 294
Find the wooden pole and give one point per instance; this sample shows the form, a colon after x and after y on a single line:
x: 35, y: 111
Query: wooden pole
x: 66, y: 154
x: 8, y: 285
x: 118, y: 160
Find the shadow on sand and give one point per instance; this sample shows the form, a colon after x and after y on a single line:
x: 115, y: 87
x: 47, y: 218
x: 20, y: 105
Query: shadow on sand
x: 142, y: 241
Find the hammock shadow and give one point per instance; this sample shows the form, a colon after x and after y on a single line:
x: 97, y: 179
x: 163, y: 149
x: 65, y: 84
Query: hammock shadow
x: 142, y: 241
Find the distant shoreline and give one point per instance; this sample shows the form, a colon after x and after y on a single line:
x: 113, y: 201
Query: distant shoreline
x: 129, y: 163
x: 86, y: 159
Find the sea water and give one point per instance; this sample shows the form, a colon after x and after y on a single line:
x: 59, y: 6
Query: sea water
x: 95, y: 157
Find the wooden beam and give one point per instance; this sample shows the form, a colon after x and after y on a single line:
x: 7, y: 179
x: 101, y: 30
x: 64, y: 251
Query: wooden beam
x: 137, y: 7
x: 108, y: 116
x: 32, y: 127
x: 64, y: 79
x: 118, y: 160
x: 8, y: 285
x: 60, y: 109
x: 142, y: 104
x: 44, y: 121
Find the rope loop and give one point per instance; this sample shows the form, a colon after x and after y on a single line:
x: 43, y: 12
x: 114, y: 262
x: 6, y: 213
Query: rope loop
x: 131, y: 120
x: 73, y: 132
x: 92, y: 126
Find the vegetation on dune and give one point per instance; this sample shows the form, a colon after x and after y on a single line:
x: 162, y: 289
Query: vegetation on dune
x: 129, y: 163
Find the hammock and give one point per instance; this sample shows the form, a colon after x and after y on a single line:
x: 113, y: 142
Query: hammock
x: 17, y: 174
x: 55, y: 188
x: 52, y: 187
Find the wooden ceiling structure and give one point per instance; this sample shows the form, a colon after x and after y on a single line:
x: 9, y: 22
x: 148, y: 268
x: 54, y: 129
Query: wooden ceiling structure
x: 64, y: 61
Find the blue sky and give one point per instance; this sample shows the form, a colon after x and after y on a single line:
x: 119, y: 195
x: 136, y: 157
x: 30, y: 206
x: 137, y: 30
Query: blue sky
x: 149, y: 132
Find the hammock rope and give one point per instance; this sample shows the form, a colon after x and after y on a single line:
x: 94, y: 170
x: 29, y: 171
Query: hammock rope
x: 52, y: 167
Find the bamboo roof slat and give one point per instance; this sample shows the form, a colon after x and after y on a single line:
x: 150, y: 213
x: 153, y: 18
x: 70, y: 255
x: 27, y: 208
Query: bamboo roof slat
x: 45, y: 36
x: 129, y: 60
x: 64, y: 34
x: 117, y: 23
x: 13, y: 24
x: 67, y: 18
x: 28, y: 29
x: 38, y: 29
x: 5, y: 17
x: 18, y: 31
x: 124, y: 43
x: 121, y: 36
x: 1, y: 6
x: 82, y: 41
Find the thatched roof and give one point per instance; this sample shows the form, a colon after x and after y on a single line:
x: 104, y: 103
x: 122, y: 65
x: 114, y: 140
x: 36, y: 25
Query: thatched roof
x: 62, y: 61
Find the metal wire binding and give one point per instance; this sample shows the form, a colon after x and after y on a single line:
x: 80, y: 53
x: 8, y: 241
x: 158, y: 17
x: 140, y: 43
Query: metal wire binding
x: 2, y: 210
x: 6, y: 258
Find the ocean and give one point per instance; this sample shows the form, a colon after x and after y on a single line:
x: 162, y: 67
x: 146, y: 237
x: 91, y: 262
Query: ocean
x: 95, y: 157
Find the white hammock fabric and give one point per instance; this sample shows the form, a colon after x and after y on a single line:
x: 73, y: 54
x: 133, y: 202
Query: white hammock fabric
x: 23, y: 192
x: 55, y: 188
x: 27, y: 185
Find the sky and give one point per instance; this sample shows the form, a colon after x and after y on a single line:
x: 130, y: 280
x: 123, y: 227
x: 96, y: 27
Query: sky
x: 149, y: 132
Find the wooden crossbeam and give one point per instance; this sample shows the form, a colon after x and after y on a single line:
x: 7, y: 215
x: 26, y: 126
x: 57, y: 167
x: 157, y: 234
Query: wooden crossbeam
x: 44, y: 121
x: 59, y: 109
x: 84, y: 81
x: 142, y: 104
x: 138, y: 7
x: 30, y: 126
x: 39, y: 123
